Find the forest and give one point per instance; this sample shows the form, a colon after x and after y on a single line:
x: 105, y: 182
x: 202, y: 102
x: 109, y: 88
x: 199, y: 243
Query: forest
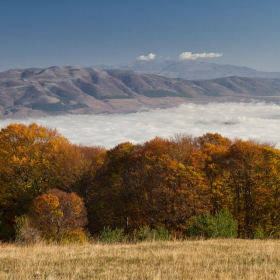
x: 65, y: 190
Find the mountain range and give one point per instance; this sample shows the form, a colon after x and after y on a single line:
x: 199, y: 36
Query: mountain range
x: 38, y: 92
x: 190, y: 69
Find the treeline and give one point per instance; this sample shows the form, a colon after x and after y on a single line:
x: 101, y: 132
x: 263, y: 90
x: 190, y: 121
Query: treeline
x: 162, y: 183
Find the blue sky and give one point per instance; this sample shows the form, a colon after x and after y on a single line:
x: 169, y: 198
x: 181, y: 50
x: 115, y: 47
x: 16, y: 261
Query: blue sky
x: 66, y: 32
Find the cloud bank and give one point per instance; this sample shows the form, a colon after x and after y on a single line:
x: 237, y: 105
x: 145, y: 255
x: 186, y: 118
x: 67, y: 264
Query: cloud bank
x: 189, y: 55
x: 257, y: 121
x: 150, y: 56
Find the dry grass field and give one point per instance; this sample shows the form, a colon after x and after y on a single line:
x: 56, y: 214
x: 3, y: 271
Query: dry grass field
x: 210, y: 259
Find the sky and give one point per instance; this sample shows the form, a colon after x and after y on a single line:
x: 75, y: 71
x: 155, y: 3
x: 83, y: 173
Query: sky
x: 90, y: 32
x: 256, y: 121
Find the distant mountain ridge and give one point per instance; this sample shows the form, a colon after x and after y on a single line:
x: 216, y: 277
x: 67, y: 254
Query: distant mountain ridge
x: 37, y: 92
x: 190, y: 69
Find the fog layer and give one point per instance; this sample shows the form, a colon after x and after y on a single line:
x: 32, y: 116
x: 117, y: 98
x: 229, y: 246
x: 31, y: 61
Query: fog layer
x: 258, y: 121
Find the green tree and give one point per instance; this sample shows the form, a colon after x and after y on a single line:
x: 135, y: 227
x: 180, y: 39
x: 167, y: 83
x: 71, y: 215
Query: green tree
x: 221, y: 226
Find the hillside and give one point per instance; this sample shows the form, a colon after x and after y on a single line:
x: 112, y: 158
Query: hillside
x: 59, y: 90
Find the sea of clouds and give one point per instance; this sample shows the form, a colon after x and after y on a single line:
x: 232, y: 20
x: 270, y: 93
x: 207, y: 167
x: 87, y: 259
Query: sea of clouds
x: 259, y: 121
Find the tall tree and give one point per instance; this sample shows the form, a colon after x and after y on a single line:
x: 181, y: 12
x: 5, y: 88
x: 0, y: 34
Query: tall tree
x: 254, y: 179
x: 32, y: 158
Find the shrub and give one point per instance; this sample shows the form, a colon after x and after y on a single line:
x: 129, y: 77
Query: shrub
x: 158, y: 234
x: 75, y: 236
x: 145, y: 233
x: 225, y: 226
x: 24, y: 233
x: 207, y: 226
x: 109, y: 235
x: 201, y: 226
x: 260, y: 233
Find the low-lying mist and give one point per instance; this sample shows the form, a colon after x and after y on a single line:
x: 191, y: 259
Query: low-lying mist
x: 259, y: 121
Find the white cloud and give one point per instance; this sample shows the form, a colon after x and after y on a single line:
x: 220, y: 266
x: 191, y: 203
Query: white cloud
x: 258, y: 121
x: 189, y: 55
x: 150, y: 56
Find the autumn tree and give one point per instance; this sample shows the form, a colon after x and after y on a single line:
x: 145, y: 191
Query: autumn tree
x: 27, y: 164
x: 269, y: 215
x: 32, y: 159
x: 86, y: 162
x: 110, y: 201
x: 174, y: 188
x: 149, y: 184
x: 58, y: 215
x: 213, y: 150
x: 254, y: 176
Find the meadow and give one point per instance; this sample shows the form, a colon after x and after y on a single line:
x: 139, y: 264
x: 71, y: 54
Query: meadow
x: 198, y: 259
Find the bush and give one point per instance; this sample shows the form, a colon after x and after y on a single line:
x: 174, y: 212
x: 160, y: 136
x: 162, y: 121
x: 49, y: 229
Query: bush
x: 75, y: 236
x: 201, y: 226
x: 260, y: 233
x: 109, y: 235
x: 24, y: 233
x: 207, y: 226
x: 158, y: 234
x: 225, y: 226
x: 145, y: 233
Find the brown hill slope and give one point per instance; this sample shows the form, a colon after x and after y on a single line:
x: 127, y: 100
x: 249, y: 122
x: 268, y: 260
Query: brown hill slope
x: 60, y: 90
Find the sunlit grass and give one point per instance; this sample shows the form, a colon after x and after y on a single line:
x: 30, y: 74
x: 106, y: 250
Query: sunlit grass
x: 211, y: 259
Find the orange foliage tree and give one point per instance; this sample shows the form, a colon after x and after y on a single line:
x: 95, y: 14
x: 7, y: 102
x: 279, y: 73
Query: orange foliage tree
x: 213, y: 150
x: 254, y: 178
x: 28, y: 164
x: 58, y: 214
x: 150, y: 184
x: 33, y: 158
